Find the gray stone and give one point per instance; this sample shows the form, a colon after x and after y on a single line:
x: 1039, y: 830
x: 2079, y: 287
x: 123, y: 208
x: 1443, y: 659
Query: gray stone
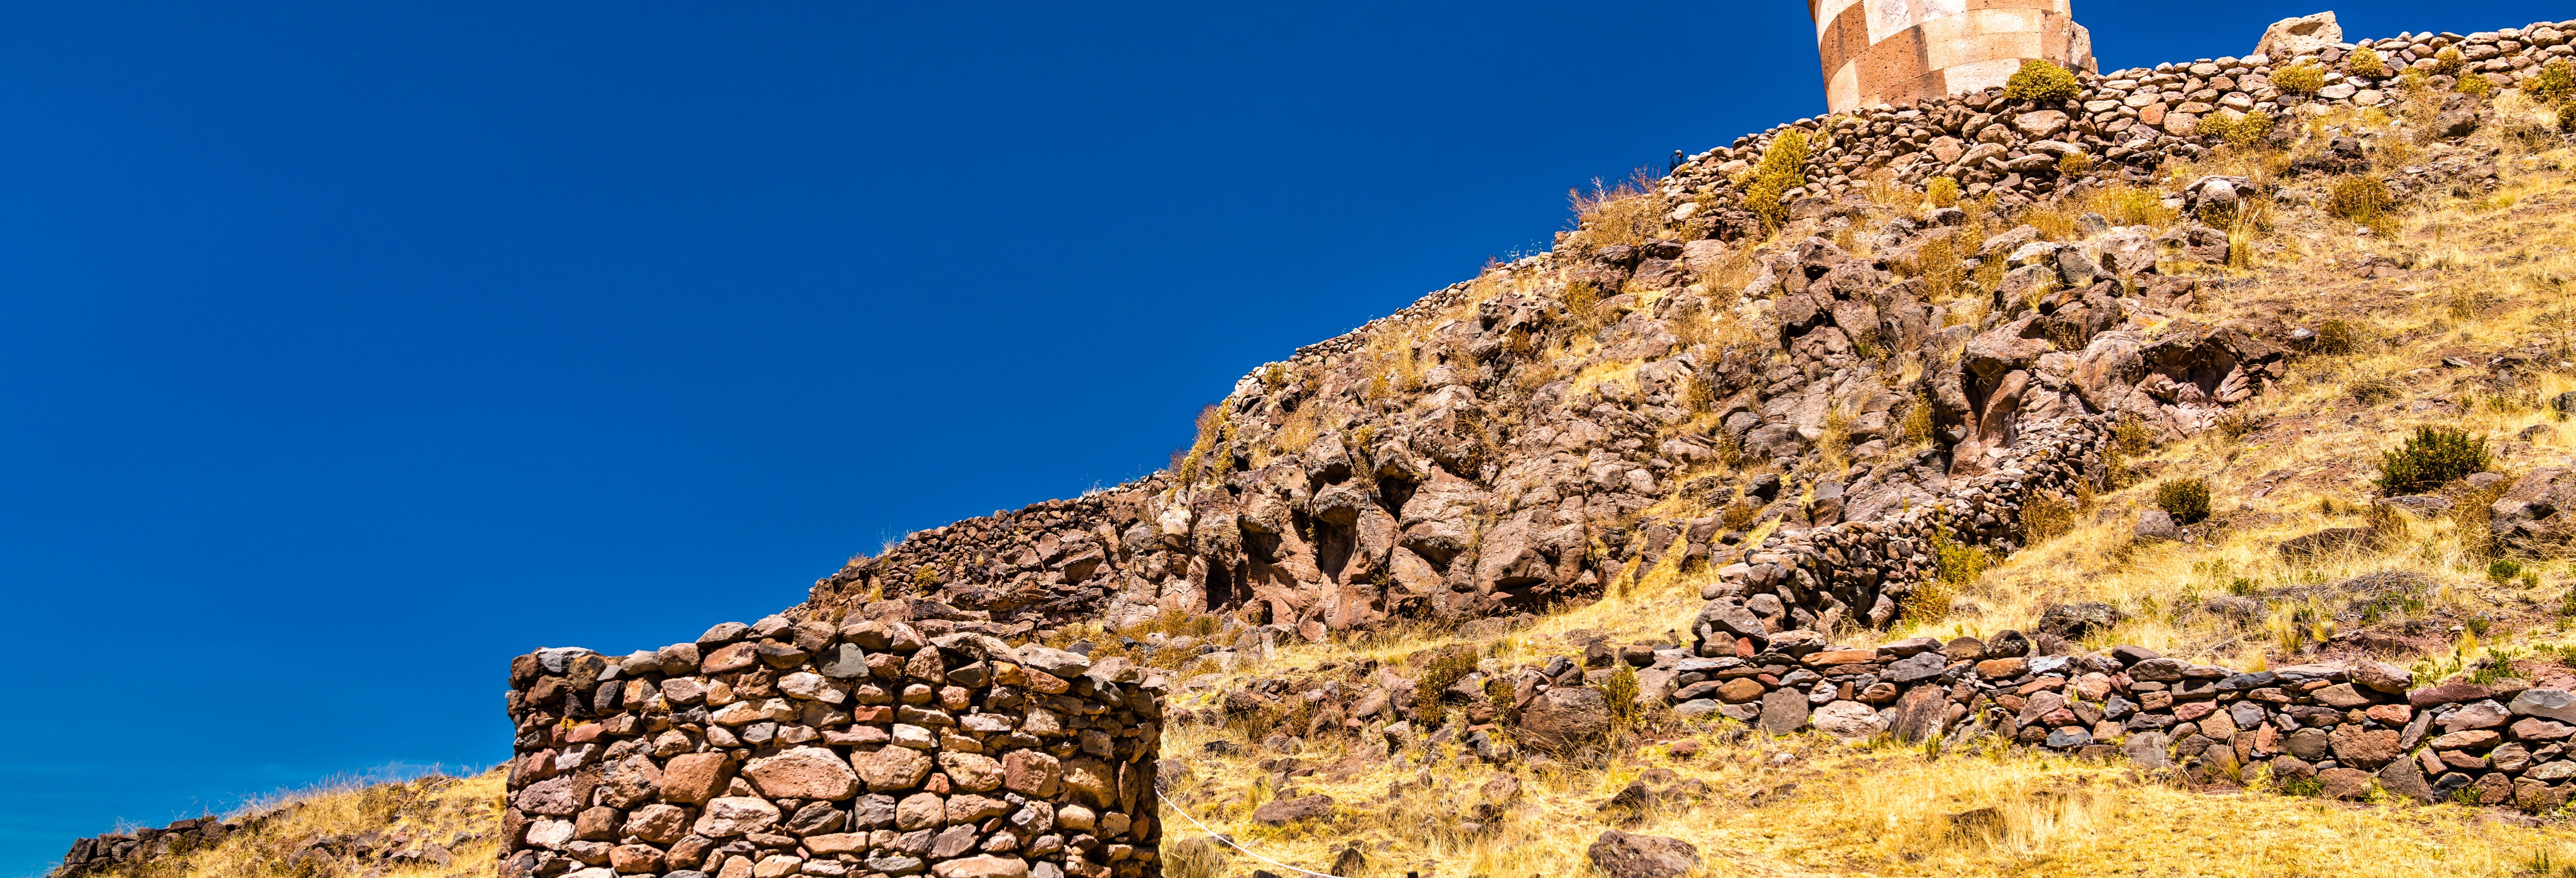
x: 2557, y: 704
x: 1784, y: 711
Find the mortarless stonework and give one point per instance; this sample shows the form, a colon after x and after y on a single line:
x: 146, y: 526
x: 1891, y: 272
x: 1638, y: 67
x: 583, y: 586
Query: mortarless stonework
x: 1882, y: 52
x: 867, y: 749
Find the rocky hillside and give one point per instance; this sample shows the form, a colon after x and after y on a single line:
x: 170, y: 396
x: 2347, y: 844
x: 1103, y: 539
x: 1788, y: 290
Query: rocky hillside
x: 2115, y: 473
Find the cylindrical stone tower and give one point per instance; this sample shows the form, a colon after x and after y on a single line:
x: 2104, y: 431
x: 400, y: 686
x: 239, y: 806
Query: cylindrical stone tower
x: 1896, y: 51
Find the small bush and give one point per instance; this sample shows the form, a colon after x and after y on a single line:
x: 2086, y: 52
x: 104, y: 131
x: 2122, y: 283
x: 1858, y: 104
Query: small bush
x: 2042, y: 81
x: 2556, y: 81
x: 1942, y: 192
x: 2187, y: 500
x: 2448, y: 61
x: 2363, y: 200
x: 2242, y: 132
x: 2474, y: 84
x: 2304, y: 78
x: 1954, y: 564
x: 2430, y: 459
x: 2074, y: 164
x: 1782, y: 169
x: 2045, y: 517
x: 1621, y: 690
x: 2366, y: 63
x: 1446, y: 669
x: 2337, y: 337
x: 2503, y: 569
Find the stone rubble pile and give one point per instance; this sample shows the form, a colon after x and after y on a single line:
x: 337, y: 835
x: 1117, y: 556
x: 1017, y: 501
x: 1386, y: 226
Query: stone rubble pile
x: 862, y: 750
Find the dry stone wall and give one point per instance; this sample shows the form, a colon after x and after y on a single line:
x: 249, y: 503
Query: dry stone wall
x: 2127, y: 121
x: 858, y: 751
x: 2335, y: 730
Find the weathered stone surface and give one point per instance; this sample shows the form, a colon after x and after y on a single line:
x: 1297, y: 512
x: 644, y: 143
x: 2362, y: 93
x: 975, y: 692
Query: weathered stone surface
x: 2550, y: 704
x: 2360, y: 748
x: 2346, y: 783
x: 803, y: 773
x: 1564, y: 719
x: 729, y: 816
x: 1280, y: 812
x: 1031, y: 773
x: 1848, y: 720
x: 982, y: 866
x: 1622, y: 855
x: 693, y: 778
x: 2383, y: 677
x: 972, y: 772
x: 1784, y: 711
x: 892, y: 769
x: 1093, y: 779
x: 1921, y: 714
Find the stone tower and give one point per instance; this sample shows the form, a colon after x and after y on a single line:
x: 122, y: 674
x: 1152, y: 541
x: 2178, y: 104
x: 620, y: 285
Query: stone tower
x: 1895, y: 51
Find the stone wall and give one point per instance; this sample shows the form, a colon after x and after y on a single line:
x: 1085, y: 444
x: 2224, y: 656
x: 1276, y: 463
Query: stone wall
x: 148, y: 843
x: 2128, y: 121
x: 1878, y: 53
x: 2344, y: 728
x: 871, y: 749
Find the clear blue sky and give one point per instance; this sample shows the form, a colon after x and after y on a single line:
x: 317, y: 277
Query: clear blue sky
x: 347, y: 350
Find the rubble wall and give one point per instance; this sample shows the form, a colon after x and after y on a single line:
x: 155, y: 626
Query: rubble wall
x: 870, y: 749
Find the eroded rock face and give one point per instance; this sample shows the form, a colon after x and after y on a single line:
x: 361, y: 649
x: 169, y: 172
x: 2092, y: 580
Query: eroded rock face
x: 1622, y: 855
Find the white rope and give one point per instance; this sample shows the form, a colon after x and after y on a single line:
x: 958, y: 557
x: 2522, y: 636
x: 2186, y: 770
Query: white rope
x: 1185, y: 815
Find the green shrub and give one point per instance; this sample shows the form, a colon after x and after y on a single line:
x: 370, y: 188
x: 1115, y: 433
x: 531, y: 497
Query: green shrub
x: 2187, y: 500
x: 2042, y: 81
x: 2366, y: 63
x: 1783, y: 168
x: 2503, y: 569
x: 2430, y: 459
x: 1942, y: 192
x: 2474, y: 84
x: 2567, y: 118
x: 2555, y: 81
x: 2303, y: 78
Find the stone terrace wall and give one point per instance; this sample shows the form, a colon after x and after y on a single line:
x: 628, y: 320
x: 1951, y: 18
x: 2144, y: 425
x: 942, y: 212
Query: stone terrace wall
x: 2344, y: 728
x: 147, y: 843
x: 783, y: 748
x: 1861, y: 571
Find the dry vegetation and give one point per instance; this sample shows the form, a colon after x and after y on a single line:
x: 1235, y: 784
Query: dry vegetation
x: 320, y: 832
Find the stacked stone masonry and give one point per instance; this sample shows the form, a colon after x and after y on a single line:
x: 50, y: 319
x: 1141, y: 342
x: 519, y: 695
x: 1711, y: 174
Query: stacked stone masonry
x: 861, y: 750
x: 2344, y: 728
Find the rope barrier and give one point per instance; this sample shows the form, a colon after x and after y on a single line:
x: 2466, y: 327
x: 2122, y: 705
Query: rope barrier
x: 1185, y: 815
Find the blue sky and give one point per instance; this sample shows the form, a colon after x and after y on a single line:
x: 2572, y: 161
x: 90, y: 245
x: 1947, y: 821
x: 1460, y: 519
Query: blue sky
x: 348, y: 349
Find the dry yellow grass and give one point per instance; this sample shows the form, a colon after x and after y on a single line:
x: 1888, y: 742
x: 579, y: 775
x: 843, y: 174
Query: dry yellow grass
x: 1807, y: 806
x: 463, y: 816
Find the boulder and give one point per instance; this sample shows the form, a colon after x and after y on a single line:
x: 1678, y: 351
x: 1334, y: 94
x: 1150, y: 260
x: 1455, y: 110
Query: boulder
x: 729, y: 816
x: 2291, y: 38
x: 1564, y: 719
x: 2536, y: 517
x: 1621, y: 855
x: 1848, y: 720
x: 1281, y: 812
x: 2078, y: 620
